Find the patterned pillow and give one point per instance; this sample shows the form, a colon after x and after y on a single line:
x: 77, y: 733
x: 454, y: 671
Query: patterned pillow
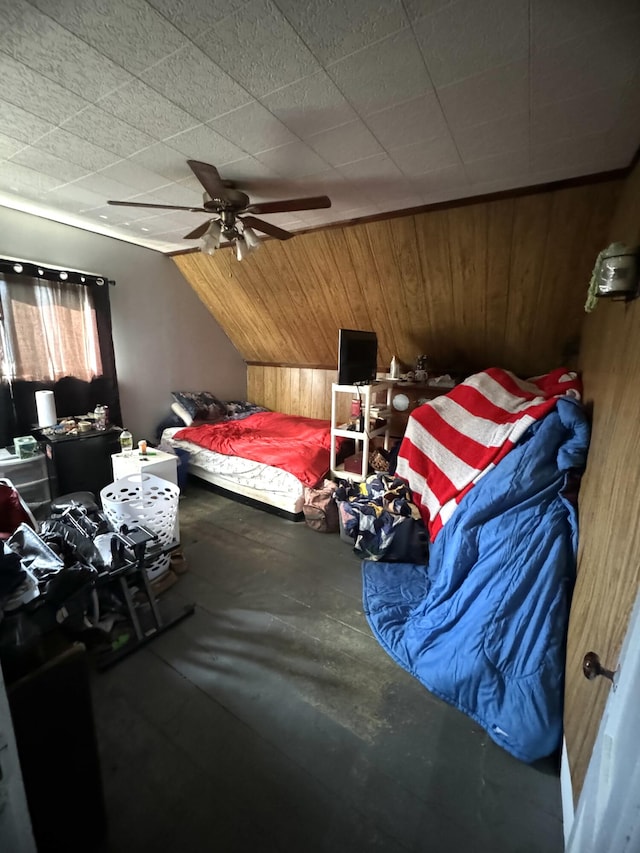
x: 238, y: 409
x: 201, y: 406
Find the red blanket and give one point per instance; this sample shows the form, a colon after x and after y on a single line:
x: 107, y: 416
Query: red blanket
x: 453, y: 441
x: 298, y: 445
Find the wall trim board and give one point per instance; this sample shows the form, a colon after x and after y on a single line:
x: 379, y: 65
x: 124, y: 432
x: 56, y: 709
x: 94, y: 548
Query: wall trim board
x: 293, y: 365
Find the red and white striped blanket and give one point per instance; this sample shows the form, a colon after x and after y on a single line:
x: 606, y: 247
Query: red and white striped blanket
x: 454, y: 440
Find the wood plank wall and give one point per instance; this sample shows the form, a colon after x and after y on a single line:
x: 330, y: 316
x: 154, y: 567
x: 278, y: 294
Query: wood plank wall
x: 499, y: 282
x: 609, y: 553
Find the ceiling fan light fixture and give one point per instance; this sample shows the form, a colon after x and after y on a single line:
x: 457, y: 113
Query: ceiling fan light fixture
x: 242, y: 249
x: 251, y: 238
x: 211, y: 239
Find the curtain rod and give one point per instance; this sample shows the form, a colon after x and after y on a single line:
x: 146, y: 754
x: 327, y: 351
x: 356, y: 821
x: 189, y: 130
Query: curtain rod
x: 13, y: 266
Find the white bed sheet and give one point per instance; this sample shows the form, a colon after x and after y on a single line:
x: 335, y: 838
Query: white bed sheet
x: 264, y: 483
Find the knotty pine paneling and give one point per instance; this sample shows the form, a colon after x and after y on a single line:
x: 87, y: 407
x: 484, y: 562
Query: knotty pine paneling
x: 499, y: 282
x: 295, y: 391
x: 608, y: 563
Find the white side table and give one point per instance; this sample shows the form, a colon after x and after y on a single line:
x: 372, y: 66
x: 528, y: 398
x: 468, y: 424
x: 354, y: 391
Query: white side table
x: 157, y: 462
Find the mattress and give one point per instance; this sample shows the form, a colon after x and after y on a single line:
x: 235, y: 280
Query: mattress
x: 240, y: 476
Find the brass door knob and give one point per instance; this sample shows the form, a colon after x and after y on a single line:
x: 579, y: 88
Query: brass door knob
x: 592, y: 668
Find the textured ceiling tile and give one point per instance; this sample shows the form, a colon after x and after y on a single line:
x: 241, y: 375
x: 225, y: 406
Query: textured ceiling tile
x: 16, y: 178
x: 43, y: 45
x: 203, y: 143
x: 99, y: 127
x: 193, y: 17
x: 73, y: 197
x: 427, y: 156
x: 69, y: 147
x: 468, y: 38
x: 378, y: 166
x: 259, y: 181
x: 253, y: 128
x: 105, y: 187
x: 333, y: 29
x: 513, y: 164
x: 36, y: 94
x: 21, y: 125
x: 345, y: 144
x: 487, y: 97
x: 170, y: 194
x: 584, y: 64
x: 164, y: 161
x: 49, y: 164
x: 310, y: 105
x: 258, y: 48
x: 494, y: 137
x: 418, y: 9
x: 383, y: 74
x: 293, y: 160
x: 596, y: 112
x: 114, y: 215
x: 568, y: 152
x: 133, y: 175
x: 553, y: 22
x: 129, y: 32
x: 191, y: 80
x: 412, y: 121
x: 9, y: 146
x: 150, y: 112
x: 451, y: 177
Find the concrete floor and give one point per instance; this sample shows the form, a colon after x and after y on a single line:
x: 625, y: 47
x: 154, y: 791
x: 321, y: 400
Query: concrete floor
x: 271, y: 720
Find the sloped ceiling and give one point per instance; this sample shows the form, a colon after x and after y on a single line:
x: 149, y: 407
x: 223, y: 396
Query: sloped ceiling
x: 381, y: 105
x: 497, y: 282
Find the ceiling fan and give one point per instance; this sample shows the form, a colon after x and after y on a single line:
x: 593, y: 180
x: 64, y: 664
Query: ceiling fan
x: 230, y: 212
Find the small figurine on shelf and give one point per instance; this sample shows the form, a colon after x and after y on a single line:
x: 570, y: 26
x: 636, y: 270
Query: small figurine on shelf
x: 422, y: 369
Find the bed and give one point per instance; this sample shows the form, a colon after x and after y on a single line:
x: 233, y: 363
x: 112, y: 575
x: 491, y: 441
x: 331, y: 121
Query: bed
x: 263, y: 457
x: 493, y: 468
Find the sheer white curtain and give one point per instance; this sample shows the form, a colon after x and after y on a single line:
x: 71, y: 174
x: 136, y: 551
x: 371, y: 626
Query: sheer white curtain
x: 48, y: 330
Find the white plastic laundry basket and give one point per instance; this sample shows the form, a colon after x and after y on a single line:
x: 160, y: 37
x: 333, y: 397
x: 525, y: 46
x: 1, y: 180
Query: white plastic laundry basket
x: 148, y: 500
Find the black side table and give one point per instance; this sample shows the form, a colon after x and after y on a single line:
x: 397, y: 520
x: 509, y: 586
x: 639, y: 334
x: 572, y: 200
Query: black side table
x: 78, y: 463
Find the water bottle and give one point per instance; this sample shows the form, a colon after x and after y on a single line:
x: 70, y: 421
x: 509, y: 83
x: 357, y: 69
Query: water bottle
x: 126, y: 442
x: 395, y: 368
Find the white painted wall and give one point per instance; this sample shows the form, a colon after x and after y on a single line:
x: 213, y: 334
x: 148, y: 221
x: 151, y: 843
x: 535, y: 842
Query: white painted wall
x: 164, y: 337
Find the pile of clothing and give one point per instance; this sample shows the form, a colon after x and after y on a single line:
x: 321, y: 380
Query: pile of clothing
x: 380, y: 517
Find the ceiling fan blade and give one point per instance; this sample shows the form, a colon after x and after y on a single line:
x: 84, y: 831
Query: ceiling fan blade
x: 267, y: 228
x: 198, y: 232
x: 287, y: 204
x: 210, y: 179
x: 160, y: 206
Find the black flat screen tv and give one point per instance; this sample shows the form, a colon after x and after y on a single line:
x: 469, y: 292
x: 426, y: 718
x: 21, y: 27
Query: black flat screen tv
x: 357, y: 357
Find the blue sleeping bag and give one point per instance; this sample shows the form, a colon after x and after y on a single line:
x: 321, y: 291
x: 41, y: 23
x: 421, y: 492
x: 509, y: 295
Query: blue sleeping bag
x: 484, y: 625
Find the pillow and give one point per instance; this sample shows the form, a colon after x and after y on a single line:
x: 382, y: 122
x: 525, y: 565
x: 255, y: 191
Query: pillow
x: 238, y: 409
x: 201, y: 406
x: 182, y: 414
x: 171, y: 420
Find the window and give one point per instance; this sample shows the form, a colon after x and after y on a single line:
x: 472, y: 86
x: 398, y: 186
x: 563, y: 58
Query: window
x: 49, y: 331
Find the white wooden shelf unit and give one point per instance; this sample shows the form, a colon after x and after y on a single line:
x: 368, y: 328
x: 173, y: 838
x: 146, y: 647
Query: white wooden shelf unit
x: 369, y: 397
